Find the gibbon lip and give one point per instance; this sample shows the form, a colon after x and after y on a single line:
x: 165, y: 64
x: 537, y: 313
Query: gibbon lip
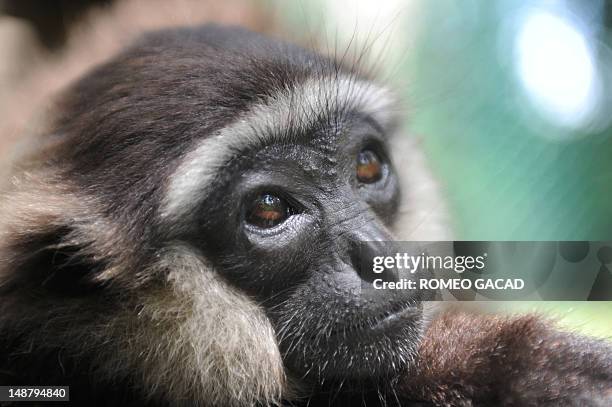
x: 408, y: 310
x: 379, y: 324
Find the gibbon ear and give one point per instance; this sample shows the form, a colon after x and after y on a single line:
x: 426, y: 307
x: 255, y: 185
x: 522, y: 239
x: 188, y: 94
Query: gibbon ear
x: 50, y: 260
x: 43, y: 247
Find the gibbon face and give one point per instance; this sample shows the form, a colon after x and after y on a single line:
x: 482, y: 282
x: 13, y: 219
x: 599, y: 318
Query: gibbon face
x: 286, y: 224
x: 281, y: 200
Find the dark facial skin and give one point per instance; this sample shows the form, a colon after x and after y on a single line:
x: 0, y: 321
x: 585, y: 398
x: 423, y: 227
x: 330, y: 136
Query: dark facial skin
x: 291, y: 225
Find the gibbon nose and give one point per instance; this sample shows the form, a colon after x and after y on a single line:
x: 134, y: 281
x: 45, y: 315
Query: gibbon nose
x: 366, y: 243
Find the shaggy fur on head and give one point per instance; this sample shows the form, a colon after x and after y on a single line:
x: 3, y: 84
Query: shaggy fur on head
x: 97, y: 291
x: 95, y: 282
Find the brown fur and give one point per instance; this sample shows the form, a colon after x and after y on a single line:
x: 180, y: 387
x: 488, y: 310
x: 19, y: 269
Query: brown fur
x: 483, y: 360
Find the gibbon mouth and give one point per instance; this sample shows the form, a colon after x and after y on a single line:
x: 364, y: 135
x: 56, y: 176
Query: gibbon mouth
x: 408, y: 312
x: 384, y: 323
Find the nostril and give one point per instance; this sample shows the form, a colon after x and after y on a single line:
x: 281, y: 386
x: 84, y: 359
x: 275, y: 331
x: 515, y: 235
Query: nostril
x: 356, y: 256
x: 362, y: 255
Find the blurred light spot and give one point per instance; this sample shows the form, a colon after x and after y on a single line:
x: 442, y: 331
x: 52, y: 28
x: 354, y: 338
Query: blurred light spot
x: 556, y: 67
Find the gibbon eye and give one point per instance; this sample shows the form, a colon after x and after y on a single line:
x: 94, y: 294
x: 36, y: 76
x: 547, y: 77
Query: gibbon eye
x: 268, y: 211
x: 369, y: 167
